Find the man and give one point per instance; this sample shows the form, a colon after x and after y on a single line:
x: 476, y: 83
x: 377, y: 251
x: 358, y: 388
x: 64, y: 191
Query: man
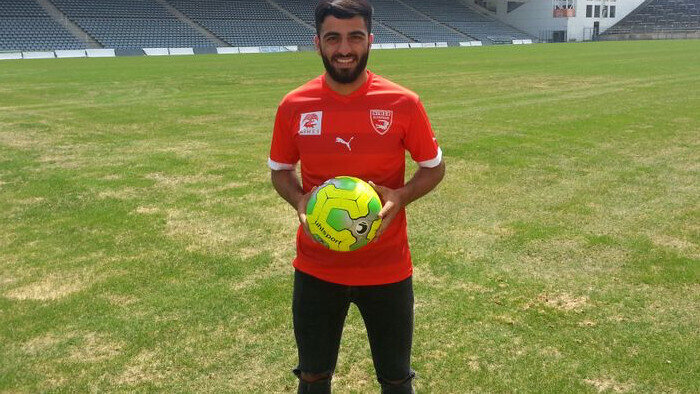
x: 350, y: 121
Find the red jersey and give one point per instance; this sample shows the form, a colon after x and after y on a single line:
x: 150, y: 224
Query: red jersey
x: 364, y: 134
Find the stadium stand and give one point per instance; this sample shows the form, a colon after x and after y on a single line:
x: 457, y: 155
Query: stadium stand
x: 26, y: 26
x: 131, y: 24
x: 303, y: 9
x: 300, y: 8
x: 660, y: 17
x: 467, y: 21
x: 423, y: 21
x: 411, y: 23
x: 246, y: 22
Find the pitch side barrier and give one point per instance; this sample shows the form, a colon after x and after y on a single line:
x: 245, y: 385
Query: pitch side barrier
x: 90, y: 53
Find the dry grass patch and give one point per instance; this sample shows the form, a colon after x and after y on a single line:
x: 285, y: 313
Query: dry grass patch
x: 24, y: 140
x: 7, y: 281
x: 182, y: 148
x: 55, y: 286
x: 146, y: 367
x: 425, y: 276
x: 64, y: 160
x: 164, y: 180
x: 6, y: 238
x: 148, y: 210
x: 126, y: 193
x: 50, y: 288
x: 205, y: 233
x: 682, y: 245
x: 474, y: 242
x: 474, y: 365
x: 278, y: 266
x: 112, y: 177
x: 568, y: 258
x: 30, y: 201
x: 506, y: 319
x: 550, y: 352
x: 560, y: 301
x: 199, y: 120
x: 95, y: 348
x: 609, y: 384
x: 121, y: 300
x: 355, y: 379
x: 44, y: 343
x: 587, y: 323
x: 217, y: 201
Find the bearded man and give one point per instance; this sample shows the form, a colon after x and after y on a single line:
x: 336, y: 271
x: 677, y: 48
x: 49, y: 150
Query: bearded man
x: 350, y: 121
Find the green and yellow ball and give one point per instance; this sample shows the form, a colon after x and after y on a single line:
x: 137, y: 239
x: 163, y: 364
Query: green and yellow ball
x: 343, y: 213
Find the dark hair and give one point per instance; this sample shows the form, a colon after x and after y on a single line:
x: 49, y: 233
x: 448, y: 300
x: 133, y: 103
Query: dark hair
x: 343, y: 9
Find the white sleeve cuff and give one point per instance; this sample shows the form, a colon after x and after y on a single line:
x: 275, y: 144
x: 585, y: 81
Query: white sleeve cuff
x: 434, y: 162
x: 279, y: 166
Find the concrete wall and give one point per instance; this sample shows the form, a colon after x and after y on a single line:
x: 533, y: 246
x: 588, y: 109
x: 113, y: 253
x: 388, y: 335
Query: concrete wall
x: 535, y: 17
x: 580, y: 27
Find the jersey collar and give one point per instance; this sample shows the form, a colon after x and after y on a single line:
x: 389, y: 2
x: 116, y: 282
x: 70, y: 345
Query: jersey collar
x: 361, y: 91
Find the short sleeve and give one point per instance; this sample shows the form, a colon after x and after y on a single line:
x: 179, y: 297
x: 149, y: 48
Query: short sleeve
x: 283, y: 151
x: 420, y: 140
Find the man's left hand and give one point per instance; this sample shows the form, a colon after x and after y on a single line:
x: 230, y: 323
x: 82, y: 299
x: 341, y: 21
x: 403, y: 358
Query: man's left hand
x: 393, y: 201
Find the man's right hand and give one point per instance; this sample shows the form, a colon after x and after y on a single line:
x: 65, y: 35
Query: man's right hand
x: 288, y: 186
x: 301, y: 211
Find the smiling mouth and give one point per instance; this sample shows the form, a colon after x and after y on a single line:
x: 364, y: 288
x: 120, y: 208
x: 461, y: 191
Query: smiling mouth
x: 343, y: 61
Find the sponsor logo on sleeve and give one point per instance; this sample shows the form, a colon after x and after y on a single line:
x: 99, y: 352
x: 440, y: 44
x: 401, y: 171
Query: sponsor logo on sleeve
x: 381, y: 120
x: 310, y: 123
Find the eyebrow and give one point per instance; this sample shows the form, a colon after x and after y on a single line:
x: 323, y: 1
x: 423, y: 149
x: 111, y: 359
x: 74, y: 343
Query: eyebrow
x: 352, y: 33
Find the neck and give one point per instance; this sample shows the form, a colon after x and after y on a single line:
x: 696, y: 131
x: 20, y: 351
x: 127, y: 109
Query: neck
x: 345, y: 89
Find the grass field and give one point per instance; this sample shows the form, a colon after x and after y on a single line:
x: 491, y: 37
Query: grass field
x: 143, y: 248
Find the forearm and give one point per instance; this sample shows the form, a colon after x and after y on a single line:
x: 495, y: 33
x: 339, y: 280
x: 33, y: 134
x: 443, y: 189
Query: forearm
x: 288, y: 186
x: 422, y: 182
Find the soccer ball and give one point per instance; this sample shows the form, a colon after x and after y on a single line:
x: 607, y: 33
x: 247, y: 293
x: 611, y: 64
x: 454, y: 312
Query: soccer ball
x: 342, y: 213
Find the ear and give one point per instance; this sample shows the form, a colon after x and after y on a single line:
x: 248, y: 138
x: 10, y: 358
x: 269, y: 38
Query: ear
x: 317, y: 44
x: 371, y: 39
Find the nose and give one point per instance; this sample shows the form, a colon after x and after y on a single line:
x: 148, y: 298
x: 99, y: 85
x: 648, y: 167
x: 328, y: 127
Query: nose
x: 344, y: 47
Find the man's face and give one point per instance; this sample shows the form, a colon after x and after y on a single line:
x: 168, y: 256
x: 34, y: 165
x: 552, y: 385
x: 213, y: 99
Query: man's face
x: 344, y: 47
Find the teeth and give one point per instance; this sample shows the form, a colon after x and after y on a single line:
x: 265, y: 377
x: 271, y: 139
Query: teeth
x: 348, y: 60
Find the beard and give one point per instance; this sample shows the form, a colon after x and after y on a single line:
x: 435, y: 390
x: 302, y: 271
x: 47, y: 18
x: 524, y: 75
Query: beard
x: 346, y: 75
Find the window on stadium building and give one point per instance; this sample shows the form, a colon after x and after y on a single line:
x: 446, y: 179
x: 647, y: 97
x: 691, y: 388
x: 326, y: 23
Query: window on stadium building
x: 589, y: 11
x: 612, y: 11
x: 596, y: 12
x: 605, y: 11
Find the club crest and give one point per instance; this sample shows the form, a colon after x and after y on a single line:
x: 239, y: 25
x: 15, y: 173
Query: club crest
x: 381, y: 120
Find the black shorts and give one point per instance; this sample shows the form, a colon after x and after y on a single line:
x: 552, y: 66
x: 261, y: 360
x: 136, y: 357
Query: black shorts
x: 319, y: 309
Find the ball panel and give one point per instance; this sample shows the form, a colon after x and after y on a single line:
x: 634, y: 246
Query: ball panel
x: 360, y: 243
x: 339, y: 219
x: 312, y: 202
x: 345, y: 182
x: 313, y: 211
x: 374, y: 205
x: 373, y: 230
x: 334, y: 192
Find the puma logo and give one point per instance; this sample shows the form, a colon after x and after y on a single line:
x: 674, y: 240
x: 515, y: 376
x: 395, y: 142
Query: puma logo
x: 346, y: 143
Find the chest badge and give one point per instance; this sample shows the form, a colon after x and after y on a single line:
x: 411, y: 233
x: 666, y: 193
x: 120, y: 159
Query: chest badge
x: 381, y: 120
x: 310, y: 123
